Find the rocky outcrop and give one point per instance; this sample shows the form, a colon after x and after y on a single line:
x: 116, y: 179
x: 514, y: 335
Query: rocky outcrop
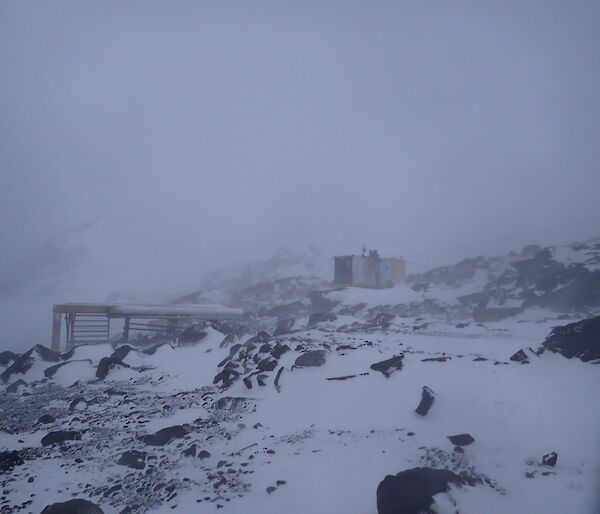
x: 412, y: 491
x: 75, y: 506
x: 580, y: 340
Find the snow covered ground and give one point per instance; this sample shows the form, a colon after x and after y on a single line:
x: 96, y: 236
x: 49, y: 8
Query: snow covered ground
x: 313, y: 444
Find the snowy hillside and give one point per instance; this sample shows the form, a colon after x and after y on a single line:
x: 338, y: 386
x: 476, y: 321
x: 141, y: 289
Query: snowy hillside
x: 347, y: 400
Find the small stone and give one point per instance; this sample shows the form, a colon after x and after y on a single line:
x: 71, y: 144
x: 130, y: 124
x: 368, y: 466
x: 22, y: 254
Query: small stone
x: 461, y: 439
x: 550, y: 459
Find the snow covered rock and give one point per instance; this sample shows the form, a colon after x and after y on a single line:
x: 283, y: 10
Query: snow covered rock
x: 412, y: 491
x: 388, y: 366
x: 520, y: 356
x: 427, y: 399
x: 75, y: 506
x: 312, y: 358
x: 580, y: 340
x: 24, y: 362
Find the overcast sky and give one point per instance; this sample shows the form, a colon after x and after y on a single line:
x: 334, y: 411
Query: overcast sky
x: 162, y: 139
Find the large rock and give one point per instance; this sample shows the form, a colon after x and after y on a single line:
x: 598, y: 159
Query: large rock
x: 7, y: 357
x: 133, y: 459
x: 75, y: 506
x: 121, y: 352
x: 106, y: 364
x: 164, y: 436
x: 412, y: 491
x: 312, y: 358
x: 461, y: 439
x: 579, y: 340
x: 388, y: 366
x: 427, y: 399
x: 60, y: 436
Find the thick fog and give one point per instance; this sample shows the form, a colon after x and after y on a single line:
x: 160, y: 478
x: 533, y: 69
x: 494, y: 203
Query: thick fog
x: 144, y: 143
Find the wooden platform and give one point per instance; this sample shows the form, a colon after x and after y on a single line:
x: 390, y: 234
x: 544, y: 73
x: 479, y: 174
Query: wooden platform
x: 90, y: 322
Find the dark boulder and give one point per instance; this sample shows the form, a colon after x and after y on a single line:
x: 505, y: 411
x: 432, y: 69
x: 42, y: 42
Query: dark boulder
x: 388, y: 366
x: 579, y: 340
x: 461, y: 439
x: 550, y: 459
x: 203, y: 455
x: 227, y: 376
x: 267, y: 364
x: 520, y: 356
x: 164, y: 436
x: 46, y: 354
x: 21, y: 365
x: 265, y: 348
x: 75, y: 506
x: 60, y: 436
x: 312, y: 358
x: 46, y: 419
x: 427, y: 399
x: 133, y: 459
x: 279, y: 350
x: 9, y: 460
x: 106, y: 364
x: 190, y: 451
x: 7, y: 357
x: 412, y: 491
x: 121, y: 352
